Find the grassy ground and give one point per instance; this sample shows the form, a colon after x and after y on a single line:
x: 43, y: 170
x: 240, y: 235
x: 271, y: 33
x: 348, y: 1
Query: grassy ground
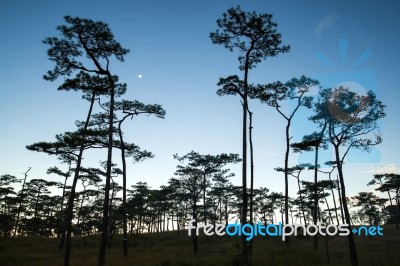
x: 170, y: 249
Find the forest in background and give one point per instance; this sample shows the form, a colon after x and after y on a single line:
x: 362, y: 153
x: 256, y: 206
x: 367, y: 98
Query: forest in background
x: 201, y: 189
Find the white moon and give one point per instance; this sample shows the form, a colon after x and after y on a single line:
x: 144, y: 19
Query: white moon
x: 140, y: 76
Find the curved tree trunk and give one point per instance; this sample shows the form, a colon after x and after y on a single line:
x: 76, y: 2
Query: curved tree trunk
x: 124, y: 208
x: 334, y: 200
x: 340, y: 199
x: 350, y: 238
x: 60, y: 226
x: 70, y: 206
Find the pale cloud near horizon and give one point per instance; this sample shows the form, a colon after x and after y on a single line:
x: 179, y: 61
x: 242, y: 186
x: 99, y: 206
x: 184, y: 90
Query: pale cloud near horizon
x: 325, y: 23
x: 384, y: 169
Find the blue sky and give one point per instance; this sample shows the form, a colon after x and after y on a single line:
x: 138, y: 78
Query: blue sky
x: 334, y: 41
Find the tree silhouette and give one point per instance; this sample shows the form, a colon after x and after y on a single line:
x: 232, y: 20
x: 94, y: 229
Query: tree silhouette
x: 196, y: 174
x: 309, y: 142
x: 255, y: 37
x: 84, y: 37
x: 7, y: 200
x: 293, y: 90
x: 369, y: 205
x: 352, y: 123
x: 66, y: 175
x: 222, y: 191
x: 88, y: 177
x: 295, y: 171
x: 251, y: 207
x: 36, y: 195
x: 390, y: 183
x: 334, y: 185
x: 137, y: 203
x: 179, y: 200
x: 130, y: 109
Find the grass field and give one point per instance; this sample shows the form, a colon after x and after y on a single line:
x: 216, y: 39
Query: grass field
x: 170, y: 249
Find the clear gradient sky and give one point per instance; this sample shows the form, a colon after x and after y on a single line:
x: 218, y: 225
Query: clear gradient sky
x: 334, y: 41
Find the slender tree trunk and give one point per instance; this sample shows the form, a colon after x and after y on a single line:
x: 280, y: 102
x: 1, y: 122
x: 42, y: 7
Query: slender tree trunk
x: 111, y: 214
x: 70, y: 206
x: 321, y: 134
x: 62, y: 200
x: 20, y: 201
x: 124, y: 208
x: 334, y: 200
x: 172, y: 220
x: 194, y: 231
x: 329, y: 210
x: 391, y: 204
x: 163, y: 219
x: 220, y: 209
x: 291, y: 215
x: 352, y: 246
x: 226, y: 212
x: 204, y: 199
x: 287, y: 176
x: 243, y: 218
x: 301, y: 200
x: 104, y: 223
x: 36, y: 204
x: 251, y: 177
x: 316, y: 194
x: 80, y: 207
x: 340, y: 199
x: 177, y: 223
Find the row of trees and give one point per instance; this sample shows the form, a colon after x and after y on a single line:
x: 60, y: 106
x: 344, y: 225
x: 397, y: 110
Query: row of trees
x: 201, y: 189
x: 198, y: 191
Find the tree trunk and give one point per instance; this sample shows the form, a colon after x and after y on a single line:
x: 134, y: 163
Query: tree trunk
x: 20, y: 201
x: 334, y: 200
x: 124, y: 208
x: 391, y: 204
x: 204, y: 199
x: 301, y: 200
x: 251, y: 176
x: 287, y: 177
x: 172, y: 220
x: 340, y: 199
x: 350, y: 238
x: 104, y: 223
x: 226, y: 212
x: 70, y: 207
x: 81, y: 205
x: 62, y: 200
x: 329, y: 210
x: 177, y: 223
x: 316, y: 195
x: 194, y: 235
x: 243, y: 216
